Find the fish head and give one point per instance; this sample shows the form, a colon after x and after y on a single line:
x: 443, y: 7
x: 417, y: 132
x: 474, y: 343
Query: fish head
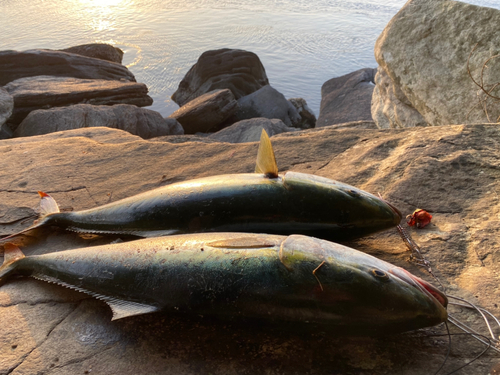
x: 356, y: 211
x: 363, y: 291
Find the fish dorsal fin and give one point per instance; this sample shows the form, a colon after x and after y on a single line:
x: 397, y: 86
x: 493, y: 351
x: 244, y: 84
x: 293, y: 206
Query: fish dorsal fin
x: 266, y: 162
x: 48, y: 205
x: 242, y: 243
x: 11, y: 253
x: 120, y: 308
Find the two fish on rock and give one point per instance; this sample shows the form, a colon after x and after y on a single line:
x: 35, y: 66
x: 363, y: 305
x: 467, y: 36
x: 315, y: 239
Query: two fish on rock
x: 294, y: 278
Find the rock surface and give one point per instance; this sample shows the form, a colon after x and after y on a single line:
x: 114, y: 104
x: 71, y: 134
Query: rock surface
x: 97, y: 51
x: 138, y: 121
x: 390, y: 107
x: 453, y: 172
x: 250, y: 130
x: 33, y: 93
x: 308, y: 118
x: 207, y: 112
x: 269, y: 103
x: 424, y: 50
x: 234, y: 69
x: 15, y: 65
x: 6, y: 105
x: 347, y: 98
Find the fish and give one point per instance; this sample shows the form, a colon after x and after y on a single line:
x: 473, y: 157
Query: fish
x: 265, y: 201
x: 271, y: 278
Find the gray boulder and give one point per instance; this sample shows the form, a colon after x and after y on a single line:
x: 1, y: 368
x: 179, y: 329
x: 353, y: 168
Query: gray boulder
x: 234, y: 69
x: 6, y: 107
x: 308, y: 118
x: 390, y: 107
x: 269, y: 103
x: 347, y: 98
x: 138, y: 121
x: 101, y: 51
x: 250, y: 130
x: 15, y: 65
x: 206, y: 112
x: 424, y: 51
x: 44, y: 92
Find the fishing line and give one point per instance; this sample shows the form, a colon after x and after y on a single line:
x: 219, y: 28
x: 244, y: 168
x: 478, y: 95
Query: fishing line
x: 488, y: 345
x: 449, y: 350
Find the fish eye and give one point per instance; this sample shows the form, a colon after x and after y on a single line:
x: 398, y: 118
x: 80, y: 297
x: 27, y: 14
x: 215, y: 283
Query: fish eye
x: 380, y: 274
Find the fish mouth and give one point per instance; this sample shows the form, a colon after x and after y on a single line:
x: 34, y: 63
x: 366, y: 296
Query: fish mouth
x: 420, y: 284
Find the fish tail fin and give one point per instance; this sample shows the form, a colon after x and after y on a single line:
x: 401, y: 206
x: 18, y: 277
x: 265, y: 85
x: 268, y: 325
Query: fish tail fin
x: 48, y: 206
x: 12, y: 255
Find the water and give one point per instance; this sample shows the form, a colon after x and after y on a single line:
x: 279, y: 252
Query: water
x: 302, y: 43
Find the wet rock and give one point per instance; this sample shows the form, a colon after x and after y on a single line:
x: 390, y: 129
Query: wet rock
x: 237, y: 70
x: 250, y: 130
x: 269, y: 103
x: 308, y: 118
x: 347, y: 98
x: 101, y: 51
x: 37, y: 62
x: 33, y: 93
x: 138, y: 121
x: 424, y: 51
x: 207, y: 112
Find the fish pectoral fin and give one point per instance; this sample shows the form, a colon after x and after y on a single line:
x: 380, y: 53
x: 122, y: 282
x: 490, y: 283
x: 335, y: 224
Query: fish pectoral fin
x: 243, y: 243
x: 266, y: 162
x: 123, y: 309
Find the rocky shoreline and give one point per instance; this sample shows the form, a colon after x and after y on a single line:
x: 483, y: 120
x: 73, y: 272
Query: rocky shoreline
x: 72, y: 124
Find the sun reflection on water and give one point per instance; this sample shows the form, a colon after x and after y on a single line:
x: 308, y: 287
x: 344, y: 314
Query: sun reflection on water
x: 100, y: 15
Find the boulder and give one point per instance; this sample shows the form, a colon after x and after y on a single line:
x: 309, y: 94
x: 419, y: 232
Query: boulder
x: 101, y: 51
x: 390, y: 107
x: 138, y: 121
x: 250, y: 130
x: 207, y: 112
x: 6, y: 106
x: 308, y: 118
x: 39, y: 92
x: 15, y: 65
x: 269, y: 103
x: 453, y: 172
x: 234, y: 69
x: 347, y: 98
x: 424, y: 51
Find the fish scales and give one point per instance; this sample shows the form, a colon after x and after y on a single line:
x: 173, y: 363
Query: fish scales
x: 278, y: 278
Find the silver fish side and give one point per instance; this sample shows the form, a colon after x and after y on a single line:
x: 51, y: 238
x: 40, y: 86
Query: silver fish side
x: 292, y: 203
x: 231, y: 275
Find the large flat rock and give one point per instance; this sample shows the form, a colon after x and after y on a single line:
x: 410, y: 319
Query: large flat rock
x: 42, y: 92
x: 453, y: 172
x: 38, y: 62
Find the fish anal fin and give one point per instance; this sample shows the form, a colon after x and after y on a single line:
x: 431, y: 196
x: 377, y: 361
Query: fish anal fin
x: 120, y: 308
x: 266, y: 162
x: 242, y: 243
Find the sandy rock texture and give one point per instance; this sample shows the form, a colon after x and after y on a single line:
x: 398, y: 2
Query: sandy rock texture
x: 453, y: 172
x: 424, y: 50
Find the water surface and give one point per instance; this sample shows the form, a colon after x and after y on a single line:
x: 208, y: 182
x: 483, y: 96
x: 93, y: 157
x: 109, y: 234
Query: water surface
x: 302, y: 43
